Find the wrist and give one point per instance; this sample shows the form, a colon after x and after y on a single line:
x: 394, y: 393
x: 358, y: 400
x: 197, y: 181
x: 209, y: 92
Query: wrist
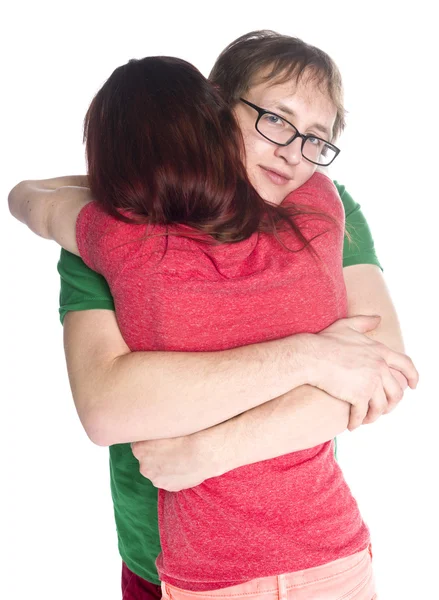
x: 212, y: 447
x: 299, y: 358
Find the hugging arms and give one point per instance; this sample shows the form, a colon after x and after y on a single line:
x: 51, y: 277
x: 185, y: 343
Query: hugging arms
x: 221, y: 409
x: 228, y: 350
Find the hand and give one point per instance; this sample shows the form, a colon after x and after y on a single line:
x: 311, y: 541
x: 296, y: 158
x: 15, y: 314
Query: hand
x: 173, y: 464
x: 357, y: 369
x: 392, y: 403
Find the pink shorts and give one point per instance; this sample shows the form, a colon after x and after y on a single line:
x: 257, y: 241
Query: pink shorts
x: 349, y: 578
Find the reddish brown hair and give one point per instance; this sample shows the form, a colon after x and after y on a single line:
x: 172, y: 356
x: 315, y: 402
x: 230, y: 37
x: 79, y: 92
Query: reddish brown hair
x: 269, y: 56
x: 163, y: 147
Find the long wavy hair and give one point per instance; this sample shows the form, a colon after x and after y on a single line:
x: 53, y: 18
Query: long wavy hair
x: 163, y: 147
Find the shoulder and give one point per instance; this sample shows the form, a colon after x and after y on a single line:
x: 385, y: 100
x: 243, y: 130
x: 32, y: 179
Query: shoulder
x: 319, y: 194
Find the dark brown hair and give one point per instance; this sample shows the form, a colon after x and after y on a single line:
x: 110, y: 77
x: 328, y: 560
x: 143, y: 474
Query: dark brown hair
x: 269, y: 56
x: 163, y: 147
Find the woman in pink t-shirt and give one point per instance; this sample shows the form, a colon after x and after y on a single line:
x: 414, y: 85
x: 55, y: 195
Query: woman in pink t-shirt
x: 198, y: 261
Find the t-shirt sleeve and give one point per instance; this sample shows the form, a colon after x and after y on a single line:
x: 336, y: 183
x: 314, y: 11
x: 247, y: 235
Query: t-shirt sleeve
x: 81, y: 288
x: 91, y: 227
x: 360, y: 249
x: 103, y: 240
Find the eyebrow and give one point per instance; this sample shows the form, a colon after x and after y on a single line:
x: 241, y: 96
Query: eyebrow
x: 291, y: 113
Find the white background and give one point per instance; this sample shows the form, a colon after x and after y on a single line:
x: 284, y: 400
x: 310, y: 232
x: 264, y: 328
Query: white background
x: 57, y: 532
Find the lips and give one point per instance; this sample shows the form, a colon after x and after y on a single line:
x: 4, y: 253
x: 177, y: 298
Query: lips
x: 276, y: 176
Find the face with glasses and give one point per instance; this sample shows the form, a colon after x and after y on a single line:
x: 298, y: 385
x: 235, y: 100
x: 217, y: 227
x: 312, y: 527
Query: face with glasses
x: 287, y: 130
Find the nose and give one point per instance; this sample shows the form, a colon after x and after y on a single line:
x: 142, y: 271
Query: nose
x: 292, y: 154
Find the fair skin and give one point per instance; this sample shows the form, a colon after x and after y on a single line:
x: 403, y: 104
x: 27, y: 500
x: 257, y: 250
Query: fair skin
x: 100, y: 363
x: 276, y: 171
x: 298, y: 420
x: 303, y: 359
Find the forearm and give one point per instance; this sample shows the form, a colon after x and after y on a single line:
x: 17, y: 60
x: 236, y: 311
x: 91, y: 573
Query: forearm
x: 368, y: 295
x: 305, y: 416
x: 126, y: 397
x: 31, y: 202
x: 191, y: 391
x: 300, y: 419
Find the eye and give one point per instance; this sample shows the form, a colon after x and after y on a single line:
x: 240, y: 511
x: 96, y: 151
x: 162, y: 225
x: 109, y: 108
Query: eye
x: 314, y: 141
x: 272, y: 119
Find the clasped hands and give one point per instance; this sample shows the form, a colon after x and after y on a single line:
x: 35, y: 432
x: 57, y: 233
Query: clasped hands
x: 341, y: 360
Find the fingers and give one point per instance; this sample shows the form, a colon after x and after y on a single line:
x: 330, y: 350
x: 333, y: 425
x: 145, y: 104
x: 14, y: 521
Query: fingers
x: 364, y: 323
x: 393, y: 390
x: 377, y: 406
x: 401, y: 362
x: 385, y: 398
x: 399, y: 378
x: 358, y: 323
x: 357, y: 415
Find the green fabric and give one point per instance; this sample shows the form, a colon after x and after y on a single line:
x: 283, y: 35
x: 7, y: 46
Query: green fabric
x: 134, y: 497
x: 360, y: 249
x: 135, y: 512
x: 81, y: 288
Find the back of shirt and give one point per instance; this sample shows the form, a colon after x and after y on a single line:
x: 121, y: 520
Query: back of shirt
x: 176, y: 293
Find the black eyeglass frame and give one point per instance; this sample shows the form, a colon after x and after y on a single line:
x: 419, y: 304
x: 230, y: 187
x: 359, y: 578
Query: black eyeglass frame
x: 261, y: 112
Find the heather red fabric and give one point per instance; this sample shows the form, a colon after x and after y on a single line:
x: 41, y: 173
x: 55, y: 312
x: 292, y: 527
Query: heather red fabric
x: 173, y: 293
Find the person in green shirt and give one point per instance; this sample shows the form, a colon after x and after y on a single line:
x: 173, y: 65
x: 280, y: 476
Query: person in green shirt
x: 96, y: 351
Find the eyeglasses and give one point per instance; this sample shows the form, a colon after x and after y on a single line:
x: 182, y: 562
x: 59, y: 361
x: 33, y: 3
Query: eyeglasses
x: 278, y: 130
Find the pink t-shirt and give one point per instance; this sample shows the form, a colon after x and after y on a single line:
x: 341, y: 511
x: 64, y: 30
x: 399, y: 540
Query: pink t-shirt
x: 173, y: 293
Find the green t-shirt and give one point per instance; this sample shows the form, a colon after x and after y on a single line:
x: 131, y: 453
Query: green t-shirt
x: 134, y: 497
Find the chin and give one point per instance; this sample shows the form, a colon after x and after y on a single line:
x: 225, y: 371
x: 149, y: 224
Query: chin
x: 272, y: 198
x: 277, y: 196
x: 269, y: 194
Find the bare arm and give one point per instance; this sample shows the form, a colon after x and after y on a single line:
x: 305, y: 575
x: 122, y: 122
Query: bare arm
x: 300, y: 419
x: 50, y: 207
x: 368, y: 295
x: 305, y: 416
x: 186, y: 392
x: 124, y: 396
